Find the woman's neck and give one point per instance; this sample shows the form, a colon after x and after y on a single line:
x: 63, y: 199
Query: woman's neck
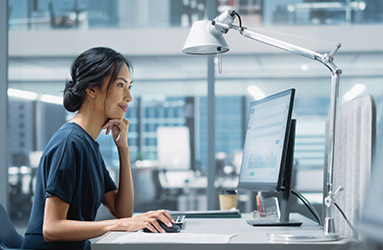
x: 89, y: 122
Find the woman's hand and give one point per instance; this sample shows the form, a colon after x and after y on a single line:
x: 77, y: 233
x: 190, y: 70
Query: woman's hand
x: 119, y: 128
x: 120, y: 202
x: 147, y: 220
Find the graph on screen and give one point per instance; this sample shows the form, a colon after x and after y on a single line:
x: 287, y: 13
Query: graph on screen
x: 264, y: 140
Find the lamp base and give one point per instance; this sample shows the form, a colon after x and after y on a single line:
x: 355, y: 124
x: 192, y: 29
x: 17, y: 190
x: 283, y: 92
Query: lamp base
x: 328, y: 225
x: 299, y: 236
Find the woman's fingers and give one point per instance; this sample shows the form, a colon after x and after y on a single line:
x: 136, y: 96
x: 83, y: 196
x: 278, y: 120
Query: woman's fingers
x: 121, y: 124
x: 150, y: 223
x: 166, y: 218
x: 150, y: 227
x: 118, y: 127
x: 151, y: 220
x: 157, y: 226
x: 112, y: 123
x: 161, y: 215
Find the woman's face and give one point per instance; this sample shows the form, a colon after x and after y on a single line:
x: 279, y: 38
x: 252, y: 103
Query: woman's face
x: 116, y: 102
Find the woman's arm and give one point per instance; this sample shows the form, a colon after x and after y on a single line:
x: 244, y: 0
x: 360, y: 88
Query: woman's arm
x: 57, y: 228
x: 120, y: 203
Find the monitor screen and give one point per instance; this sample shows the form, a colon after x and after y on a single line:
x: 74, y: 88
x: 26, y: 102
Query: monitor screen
x: 266, y: 142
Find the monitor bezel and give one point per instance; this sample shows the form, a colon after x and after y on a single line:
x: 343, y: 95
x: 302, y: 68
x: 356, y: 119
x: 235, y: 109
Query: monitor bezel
x: 278, y: 185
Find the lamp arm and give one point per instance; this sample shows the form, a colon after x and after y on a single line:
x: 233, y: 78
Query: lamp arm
x: 280, y: 44
x: 325, y: 59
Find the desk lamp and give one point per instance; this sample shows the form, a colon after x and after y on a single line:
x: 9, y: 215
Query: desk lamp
x: 207, y: 38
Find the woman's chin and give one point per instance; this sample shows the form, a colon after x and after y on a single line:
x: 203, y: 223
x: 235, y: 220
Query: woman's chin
x: 116, y: 117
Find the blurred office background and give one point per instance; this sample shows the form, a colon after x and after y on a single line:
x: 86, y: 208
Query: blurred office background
x: 170, y: 88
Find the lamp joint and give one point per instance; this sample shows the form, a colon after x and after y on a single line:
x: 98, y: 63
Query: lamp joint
x: 330, y: 199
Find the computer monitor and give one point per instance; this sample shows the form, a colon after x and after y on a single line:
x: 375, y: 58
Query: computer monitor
x: 268, y: 152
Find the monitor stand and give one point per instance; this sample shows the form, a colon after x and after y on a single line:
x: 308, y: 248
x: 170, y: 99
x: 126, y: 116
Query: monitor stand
x: 285, y: 189
x: 273, y: 223
x: 284, y: 219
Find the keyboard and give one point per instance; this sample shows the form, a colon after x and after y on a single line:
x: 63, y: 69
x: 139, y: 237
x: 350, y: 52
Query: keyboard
x: 179, y: 220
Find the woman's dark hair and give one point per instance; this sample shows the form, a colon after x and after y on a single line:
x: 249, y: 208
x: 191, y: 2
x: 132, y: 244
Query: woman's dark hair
x: 90, y: 69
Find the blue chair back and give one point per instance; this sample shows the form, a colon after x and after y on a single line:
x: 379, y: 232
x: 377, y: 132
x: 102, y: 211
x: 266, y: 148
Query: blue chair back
x: 8, y: 234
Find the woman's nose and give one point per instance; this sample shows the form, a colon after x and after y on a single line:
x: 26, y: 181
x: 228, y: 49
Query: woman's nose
x: 129, y: 97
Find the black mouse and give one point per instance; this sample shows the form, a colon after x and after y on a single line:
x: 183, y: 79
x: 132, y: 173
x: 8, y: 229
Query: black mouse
x: 172, y: 229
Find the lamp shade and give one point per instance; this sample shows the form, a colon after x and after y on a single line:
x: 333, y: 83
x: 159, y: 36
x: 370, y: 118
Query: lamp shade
x: 201, y: 41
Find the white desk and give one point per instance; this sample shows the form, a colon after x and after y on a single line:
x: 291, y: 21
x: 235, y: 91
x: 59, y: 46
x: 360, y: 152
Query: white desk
x: 248, y: 237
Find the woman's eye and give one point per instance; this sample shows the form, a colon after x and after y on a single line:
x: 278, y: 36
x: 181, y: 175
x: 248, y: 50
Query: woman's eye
x: 131, y: 86
x: 120, y: 85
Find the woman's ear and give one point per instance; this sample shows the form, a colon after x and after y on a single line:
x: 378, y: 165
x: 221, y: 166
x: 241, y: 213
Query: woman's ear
x: 91, y: 92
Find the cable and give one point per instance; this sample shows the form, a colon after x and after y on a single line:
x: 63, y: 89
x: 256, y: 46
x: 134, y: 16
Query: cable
x: 239, y: 18
x: 348, y: 222
x: 308, y: 205
x: 268, y: 31
x: 313, y: 209
x: 281, y: 33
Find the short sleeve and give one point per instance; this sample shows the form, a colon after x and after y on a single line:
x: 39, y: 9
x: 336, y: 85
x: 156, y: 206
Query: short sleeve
x: 61, y: 179
x: 110, y: 185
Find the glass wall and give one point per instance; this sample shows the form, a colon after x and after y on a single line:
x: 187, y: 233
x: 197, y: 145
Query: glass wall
x: 86, y: 14
x: 170, y: 89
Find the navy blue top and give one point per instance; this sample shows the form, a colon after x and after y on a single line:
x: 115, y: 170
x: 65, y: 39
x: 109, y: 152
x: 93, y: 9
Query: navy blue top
x: 71, y: 168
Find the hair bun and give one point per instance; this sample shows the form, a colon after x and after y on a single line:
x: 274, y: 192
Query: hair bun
x: 72, y: 101
x: 69, y: 84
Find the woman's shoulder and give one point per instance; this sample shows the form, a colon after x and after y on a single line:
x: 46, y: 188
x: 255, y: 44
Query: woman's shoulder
x: 70, y: 133
x: 69, y: 139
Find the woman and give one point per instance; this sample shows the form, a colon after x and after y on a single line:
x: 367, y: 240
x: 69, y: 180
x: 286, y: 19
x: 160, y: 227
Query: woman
x: 72, y: 180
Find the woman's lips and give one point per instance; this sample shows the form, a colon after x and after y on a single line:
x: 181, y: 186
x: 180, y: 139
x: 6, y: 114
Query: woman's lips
x: 124, y: 107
